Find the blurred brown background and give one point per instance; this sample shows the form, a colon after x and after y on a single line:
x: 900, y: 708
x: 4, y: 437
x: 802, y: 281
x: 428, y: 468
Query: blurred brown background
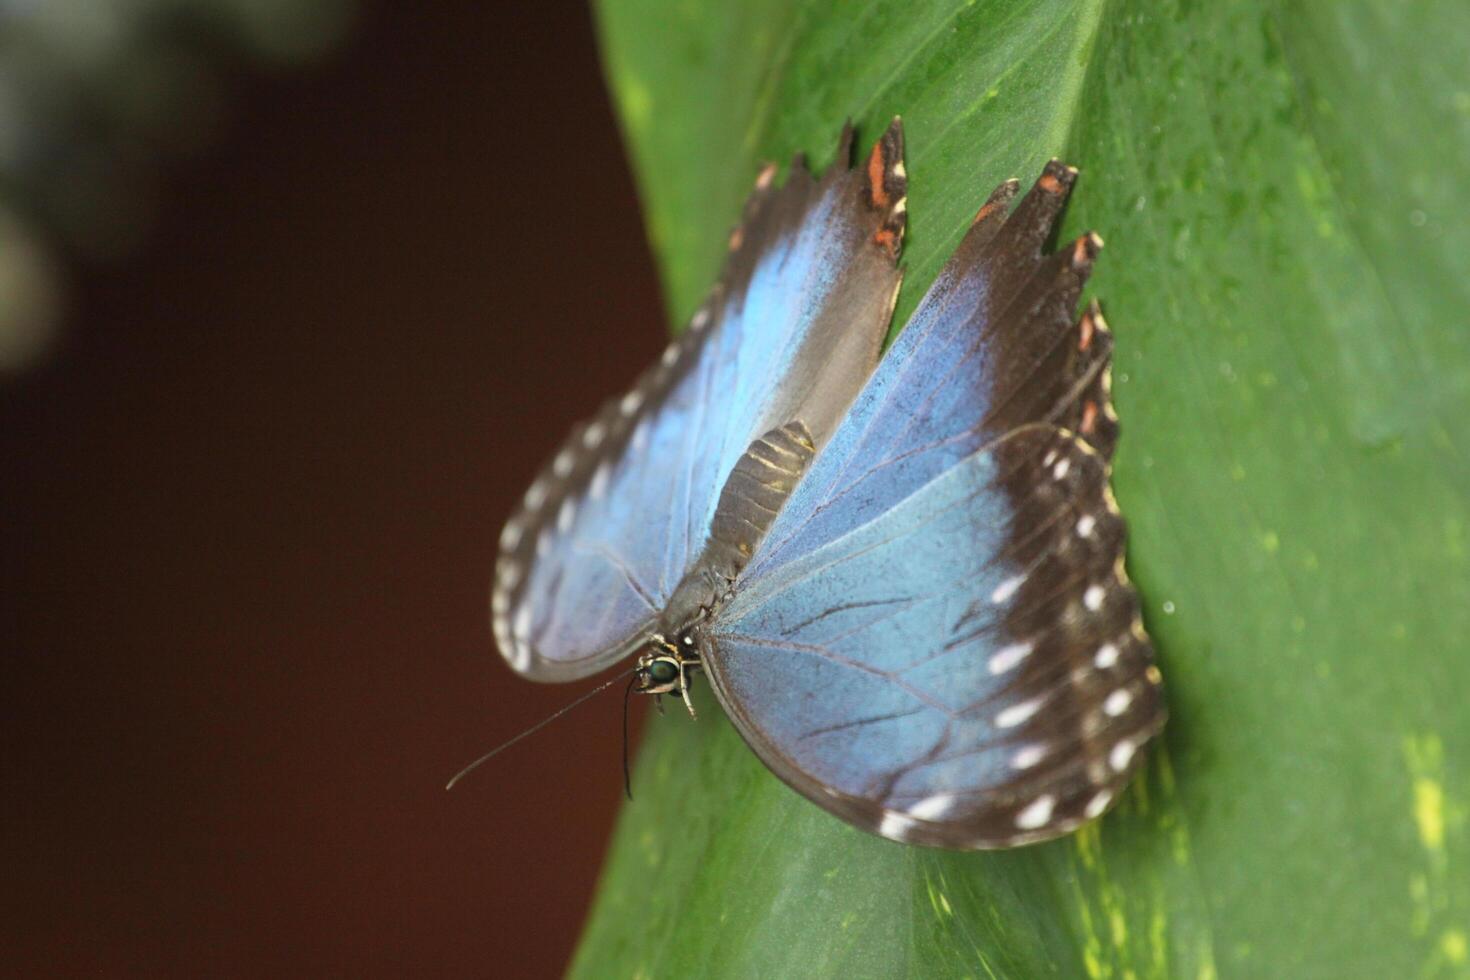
x: 250, y: 505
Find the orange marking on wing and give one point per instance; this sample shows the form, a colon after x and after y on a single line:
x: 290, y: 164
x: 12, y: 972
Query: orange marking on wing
x: 1050, y: 184
x: 736, y: 238
x: 875, y: 177
x: 1085, y: 329
x: 984, y: 212
x: 886, y: 238
x: 1089, y: 417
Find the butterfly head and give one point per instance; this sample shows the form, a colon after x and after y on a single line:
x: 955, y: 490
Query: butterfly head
x: 658, y: 674
x: 666, y: 666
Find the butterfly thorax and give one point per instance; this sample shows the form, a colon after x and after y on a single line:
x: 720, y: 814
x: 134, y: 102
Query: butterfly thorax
x: 671, y: 655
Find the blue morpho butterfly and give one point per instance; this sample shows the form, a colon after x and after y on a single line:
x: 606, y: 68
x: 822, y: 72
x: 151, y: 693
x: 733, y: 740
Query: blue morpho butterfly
x: 904, y: 577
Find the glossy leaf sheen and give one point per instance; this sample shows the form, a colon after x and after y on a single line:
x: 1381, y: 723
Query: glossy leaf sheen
x: 1288, y: 277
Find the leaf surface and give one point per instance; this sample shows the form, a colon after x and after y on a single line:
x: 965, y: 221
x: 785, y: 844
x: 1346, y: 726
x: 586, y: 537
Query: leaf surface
x: 1288, y: 279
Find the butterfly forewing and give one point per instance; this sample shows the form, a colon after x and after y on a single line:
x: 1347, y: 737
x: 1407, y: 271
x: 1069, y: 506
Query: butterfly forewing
x: 617, y: 519
x: 992, y: 345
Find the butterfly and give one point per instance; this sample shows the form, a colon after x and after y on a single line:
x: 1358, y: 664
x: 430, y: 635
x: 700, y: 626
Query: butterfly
x: 902, y: 575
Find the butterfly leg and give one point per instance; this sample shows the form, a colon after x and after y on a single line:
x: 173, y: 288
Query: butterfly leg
x: 684, y: 681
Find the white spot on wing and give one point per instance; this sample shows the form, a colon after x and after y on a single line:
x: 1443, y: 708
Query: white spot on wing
x: 511, y: 536
x: 535, y: 496
x: 1037, y: 814
x: 593, y: 436
x: 562, y: 465
x: 1085, y: 525
x: 932, y: 807
x: 1098, y: 804
x: 566, y: 515
x: 1121, y: 755
x: 895, y: 825
x: 630, y: 402
x: 1107, y: 656
x: 1060, y: 470
x: 1028, y: 757
x: 1017, y: 713
x: 1006, y: 589
x: 509, y: 576
x: 670, y: 355
x: 1093, y: 597
x: 1007, y: 657
x: 521, y: 627
x: 1118, y: 702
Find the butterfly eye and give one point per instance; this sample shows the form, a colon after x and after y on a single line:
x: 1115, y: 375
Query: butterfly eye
x: 662, y: 672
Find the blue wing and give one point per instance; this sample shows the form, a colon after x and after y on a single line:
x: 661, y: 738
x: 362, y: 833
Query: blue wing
x: 613, y: 523
x: 992, y: 345
x: 936, y: 639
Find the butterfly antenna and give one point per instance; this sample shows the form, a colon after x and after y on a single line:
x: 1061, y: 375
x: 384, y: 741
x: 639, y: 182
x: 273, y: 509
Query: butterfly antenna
x: 537, y: 727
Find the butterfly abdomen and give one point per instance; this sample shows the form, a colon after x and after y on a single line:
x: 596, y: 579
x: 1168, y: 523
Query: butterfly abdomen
x: 758, y: 486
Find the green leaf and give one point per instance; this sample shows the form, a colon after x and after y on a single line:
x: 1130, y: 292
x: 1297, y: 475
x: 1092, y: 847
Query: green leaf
x: 1287, y: 272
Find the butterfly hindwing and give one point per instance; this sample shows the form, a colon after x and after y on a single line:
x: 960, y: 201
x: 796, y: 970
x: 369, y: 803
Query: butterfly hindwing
x: 963, y: 671
x: 936, y: 639
x: 614, y: 522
